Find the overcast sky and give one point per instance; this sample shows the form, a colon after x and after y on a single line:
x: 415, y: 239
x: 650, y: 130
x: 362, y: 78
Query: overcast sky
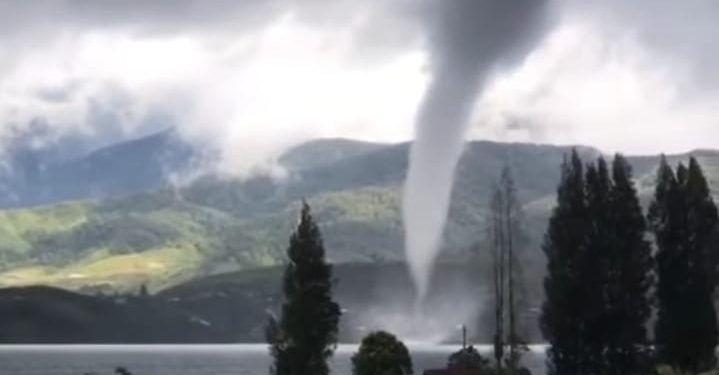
x: 253, y: 77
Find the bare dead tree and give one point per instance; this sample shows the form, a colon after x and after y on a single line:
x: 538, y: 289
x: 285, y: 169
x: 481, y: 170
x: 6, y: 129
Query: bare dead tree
x: 498, y: 267
x: 506, y: 230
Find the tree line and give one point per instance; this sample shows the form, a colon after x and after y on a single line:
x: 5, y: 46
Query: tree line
x: 304, y: 337
x: 607, y: 282
x: 613, y: 273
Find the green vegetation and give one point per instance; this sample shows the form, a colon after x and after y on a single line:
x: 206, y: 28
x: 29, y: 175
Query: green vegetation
x: 381, y: 353
x: 18, y: 227
x: 684, y: 220
x: 600, y: 286
x: 599, y: 273
x: 218, y: 225
x: 305, y: 336
x: 54, y: 316
x: 469, y: 360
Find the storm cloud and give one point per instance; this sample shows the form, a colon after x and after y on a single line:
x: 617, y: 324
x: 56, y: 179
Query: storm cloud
x: 629, y: 76
x: 251, y: 78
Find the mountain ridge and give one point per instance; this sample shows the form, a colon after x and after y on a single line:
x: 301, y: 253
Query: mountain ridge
x: 126, y: 167
x: 168, y: 235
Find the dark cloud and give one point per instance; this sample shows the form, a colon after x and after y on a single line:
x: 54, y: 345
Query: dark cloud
x: 159, y: 16
x: 680, y: 34
x: 468, y: 40
x: 370, y: 24
x: 483, y: 34
x: 683, y: 30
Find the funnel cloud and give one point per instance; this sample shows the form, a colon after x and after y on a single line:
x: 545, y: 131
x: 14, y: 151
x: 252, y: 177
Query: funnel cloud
x: 469, y: 41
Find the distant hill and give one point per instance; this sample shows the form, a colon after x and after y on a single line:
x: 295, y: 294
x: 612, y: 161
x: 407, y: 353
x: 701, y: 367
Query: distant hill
x: 44, y: 315
x: 38, y: 177
x: 165, y: 236
x: 324, y: 152
x: 234, y: 307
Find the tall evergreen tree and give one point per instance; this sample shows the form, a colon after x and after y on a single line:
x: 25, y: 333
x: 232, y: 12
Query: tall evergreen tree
x: 599, y: 273
x: 683, y: 217
x: 564, y: 245
x: 306, y: 335
x: 627, y: 307
x: 701, y: 219
x: 672, y: 266
x: 594, y: 267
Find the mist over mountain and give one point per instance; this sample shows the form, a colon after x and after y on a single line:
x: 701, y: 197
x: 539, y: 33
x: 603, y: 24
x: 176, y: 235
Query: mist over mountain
x: 38, y: 172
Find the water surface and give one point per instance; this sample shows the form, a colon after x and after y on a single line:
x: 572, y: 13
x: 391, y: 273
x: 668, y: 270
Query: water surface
x: 241, y: 359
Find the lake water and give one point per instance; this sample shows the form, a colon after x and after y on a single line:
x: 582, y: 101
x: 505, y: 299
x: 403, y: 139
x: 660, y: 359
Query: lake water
x: 193, y: 359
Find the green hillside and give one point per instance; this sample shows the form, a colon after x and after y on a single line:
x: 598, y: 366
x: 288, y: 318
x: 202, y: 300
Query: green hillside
x: 233, y: 307
x: 216, y: 225
x: 45, y: 315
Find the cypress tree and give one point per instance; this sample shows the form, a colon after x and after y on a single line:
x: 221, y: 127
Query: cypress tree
x: 306, y: 335
x: 629, y: 265
x: 672, y: 272
x: 599, y: 273
x: 683, y: 218
x: 595, y: 267
x: 564, y: 244
x: 701, y: 219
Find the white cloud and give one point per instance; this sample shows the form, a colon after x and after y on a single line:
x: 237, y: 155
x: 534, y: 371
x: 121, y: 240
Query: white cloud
x: 254, y: 78
x: 297, y: 87
x: 250, y: 96
x: 585, y: 85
